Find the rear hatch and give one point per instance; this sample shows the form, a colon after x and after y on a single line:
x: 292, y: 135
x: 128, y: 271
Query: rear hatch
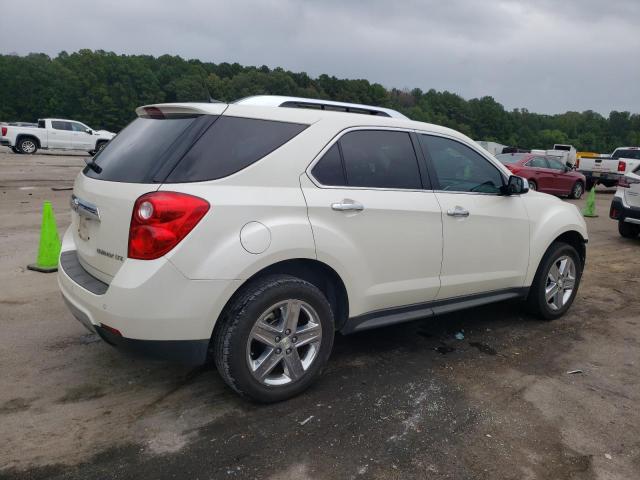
x: 135, y: 162
x: 167, y: 144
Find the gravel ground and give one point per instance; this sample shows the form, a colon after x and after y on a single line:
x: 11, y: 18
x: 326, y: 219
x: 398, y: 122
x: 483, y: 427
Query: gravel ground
x: 409, y: 401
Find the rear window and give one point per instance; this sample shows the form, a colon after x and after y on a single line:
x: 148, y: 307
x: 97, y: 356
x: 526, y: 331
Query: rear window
x: 627, y: 153
x: 231, y: 144
x: 140, y: 151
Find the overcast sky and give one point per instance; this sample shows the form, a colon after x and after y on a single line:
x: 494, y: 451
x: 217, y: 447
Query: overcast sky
x: 545, y: 55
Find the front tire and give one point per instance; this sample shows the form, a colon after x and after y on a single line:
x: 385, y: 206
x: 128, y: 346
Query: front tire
x: 28, y: 146
x: 274, y: 338
x: 556, y: 282
x: 628, y: 230
x: 533, y: 185
x: 577, y: 191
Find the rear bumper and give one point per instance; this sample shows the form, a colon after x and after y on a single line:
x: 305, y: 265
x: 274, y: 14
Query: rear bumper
x: 5, y: 142
x: 149, y: 307
x: 623, y: 212
x: 612, y: 177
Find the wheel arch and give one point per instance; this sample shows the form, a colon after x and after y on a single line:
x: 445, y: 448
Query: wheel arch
x: 314, y: 271
x: 23, y: 136
x: 572, y: 237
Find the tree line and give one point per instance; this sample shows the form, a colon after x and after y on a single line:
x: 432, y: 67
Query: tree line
x: 102, y: 89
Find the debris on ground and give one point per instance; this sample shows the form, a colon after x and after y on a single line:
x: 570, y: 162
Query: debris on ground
x: 573, y: 372
x: 484, y: 348
x: 459, y: 336
x: 306, y: 420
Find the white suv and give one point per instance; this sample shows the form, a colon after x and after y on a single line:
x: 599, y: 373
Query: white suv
x: 250, y: 232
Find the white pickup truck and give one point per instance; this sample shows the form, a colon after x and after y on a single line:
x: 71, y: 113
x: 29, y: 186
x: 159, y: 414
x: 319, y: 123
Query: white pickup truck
x: 608, y: 170
x: 56, y: 134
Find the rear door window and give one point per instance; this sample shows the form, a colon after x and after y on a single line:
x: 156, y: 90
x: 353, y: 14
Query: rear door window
x: 231, y: 144
x: 538, y: 162
x: 58, y: 125
x: 380, y: 159
x: 328, y: 171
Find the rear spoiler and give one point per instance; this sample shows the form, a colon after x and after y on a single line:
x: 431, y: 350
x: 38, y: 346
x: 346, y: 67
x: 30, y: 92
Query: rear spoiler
x: 165, y: 110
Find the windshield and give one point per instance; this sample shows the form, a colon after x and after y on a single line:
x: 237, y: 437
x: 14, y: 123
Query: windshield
x: 507, y: 158
x: 626, y: 153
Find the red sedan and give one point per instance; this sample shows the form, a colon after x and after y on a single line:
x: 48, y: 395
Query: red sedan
x: 545, y: 173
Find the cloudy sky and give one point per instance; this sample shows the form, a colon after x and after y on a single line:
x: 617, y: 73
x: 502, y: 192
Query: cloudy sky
x: 546, y: 55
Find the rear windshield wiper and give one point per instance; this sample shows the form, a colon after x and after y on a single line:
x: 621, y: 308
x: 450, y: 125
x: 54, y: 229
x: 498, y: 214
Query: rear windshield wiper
x: 93, y: 165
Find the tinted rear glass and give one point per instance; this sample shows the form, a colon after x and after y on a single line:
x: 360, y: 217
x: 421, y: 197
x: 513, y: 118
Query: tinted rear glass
x: 328, y: 170
x: 380, y: 159
x: 142, y: 149
x: 231, y: 144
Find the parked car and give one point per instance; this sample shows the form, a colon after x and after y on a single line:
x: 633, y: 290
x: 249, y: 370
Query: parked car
x: 249, y: 233
x: 625, y: 206
x: 54, y: 133
x: 608, y: 169
x: 545, y: 173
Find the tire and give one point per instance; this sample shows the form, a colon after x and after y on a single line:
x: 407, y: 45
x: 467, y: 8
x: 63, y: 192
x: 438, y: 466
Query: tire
x: 15, y: 150
x: 577, y: 191
x: 533, y: 185
x: 28, y: 146
x: 265, y: 303
x: 628, y: 230
x: 537, y: 302
x: 591, y: 184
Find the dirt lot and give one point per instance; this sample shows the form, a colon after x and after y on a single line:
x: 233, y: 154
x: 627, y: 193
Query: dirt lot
x: 410, y: 401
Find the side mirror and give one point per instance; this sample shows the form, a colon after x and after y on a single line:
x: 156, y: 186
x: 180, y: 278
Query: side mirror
x: 89, y: 131
x: 515, y: 186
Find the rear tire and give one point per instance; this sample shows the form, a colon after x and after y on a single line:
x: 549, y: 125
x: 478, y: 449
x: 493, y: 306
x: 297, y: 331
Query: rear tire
x: 533, y: 185
x: 577, y: 191
x: 591, y: 184
x: 628, y: 230
x: 28, y: 146
x: 260, y: 328
x: 560, y: 268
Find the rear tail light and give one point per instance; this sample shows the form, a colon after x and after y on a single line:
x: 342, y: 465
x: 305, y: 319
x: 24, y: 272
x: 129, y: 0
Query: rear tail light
x: 614, y: 213
x: 4, y: 131
x: 160, y: 221
x: 622, y: 166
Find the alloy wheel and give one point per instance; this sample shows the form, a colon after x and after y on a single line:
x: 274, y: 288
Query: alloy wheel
x: 284, y: 342
x: 561, y: 281
x: 28, y: 146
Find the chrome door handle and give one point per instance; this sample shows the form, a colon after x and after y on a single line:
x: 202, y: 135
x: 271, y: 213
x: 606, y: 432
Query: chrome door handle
x: 458, y: 212
x: 347, y: 205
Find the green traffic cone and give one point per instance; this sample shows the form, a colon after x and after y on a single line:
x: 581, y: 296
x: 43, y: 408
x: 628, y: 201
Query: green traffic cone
x: 590, y: 209
x: 49, y: 249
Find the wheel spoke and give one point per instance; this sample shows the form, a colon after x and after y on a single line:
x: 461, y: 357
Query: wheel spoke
x: 292, y: 315
x: 562, y: 268
x: 266, y: 364
x: 293, y: 365
x: 551, y: 291
x: 308, y: 335
x: 265, y: 333
x: 554, y: 273
x: 558, y: 299
x: 569, y: 283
